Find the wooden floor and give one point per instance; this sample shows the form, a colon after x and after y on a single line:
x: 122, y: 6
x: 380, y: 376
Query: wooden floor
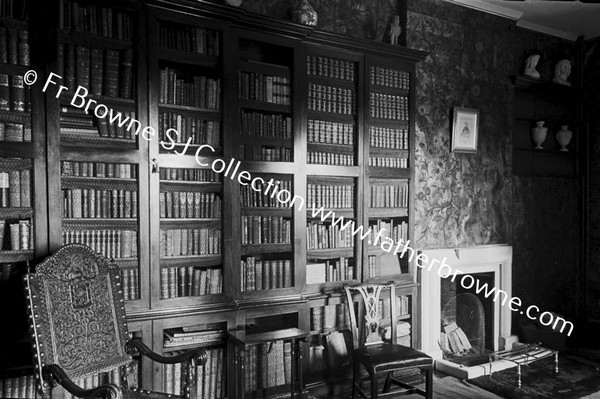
x: 443, y: 387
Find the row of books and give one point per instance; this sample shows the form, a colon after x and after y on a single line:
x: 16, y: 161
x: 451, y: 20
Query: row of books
x: 266, y: 274
x: 13, y: 94
x: 389, y: 196
x: 192, y: 91
x: 208, y: 380
x: 23, y: 387
x: 389, y: 77
x: 110, y: 243
x: 176, y: 282
x: 189, y: 175
x: 330, y: 270
x: 327, y: 236
x: 265, y: 88
x: 330, y: 132
x: 103, y: 72
x: 266, y: 125
x: 98, y: 203
x: 14, y: 132
x: 331, y: 99
x: 189, y: 336
x: 131, y: 284
x: 190, y: 205
x: 112, y: 377
x: 329, y: 317
x: 330, y: 67
x: 188, y: 129
x: 395, y: 231
x: 388, y: 106
x: 266, y: 153
x: 372, y: 264
x: 85, y: 126
x: 266, y: 230
x: 193, y: 39
x: 389, y: 162
x: 402, y: 333
x: 328, y: 158
x: 16, y: 9
x: 402, y: 307
x: 190, y: 242
x: 111, y: 170
x: 268, y: 365
x: 95, y: 19
x: 259, y: 196
x: 19, y: 233
x: 14, y: 46
x: 15, y: 188
x: 384, y: 137
x: 330, y: 195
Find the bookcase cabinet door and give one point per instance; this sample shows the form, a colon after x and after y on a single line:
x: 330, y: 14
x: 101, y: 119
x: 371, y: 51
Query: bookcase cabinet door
x: 189, y: 211
x: 388, y: 155
x: 96, y: 156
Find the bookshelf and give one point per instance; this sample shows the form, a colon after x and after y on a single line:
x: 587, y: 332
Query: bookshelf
x: 556, y: 105
x: 23, y: 214
x: 314, y: 117
x: 96, y: 183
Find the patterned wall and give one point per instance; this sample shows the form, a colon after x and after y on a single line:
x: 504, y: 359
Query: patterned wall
x: 461, y: 199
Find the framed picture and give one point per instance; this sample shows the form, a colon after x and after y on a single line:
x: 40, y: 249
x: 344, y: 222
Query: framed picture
x: 465, y: 130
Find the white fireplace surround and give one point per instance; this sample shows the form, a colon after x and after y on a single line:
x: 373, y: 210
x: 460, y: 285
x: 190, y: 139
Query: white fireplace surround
x: 481, y: 259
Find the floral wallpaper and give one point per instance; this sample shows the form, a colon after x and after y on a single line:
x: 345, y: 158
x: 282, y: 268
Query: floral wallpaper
x: 461, y: 199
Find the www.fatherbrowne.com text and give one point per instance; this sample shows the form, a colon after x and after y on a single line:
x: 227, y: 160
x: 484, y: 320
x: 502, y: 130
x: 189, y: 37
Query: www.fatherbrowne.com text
x: 231, y: 169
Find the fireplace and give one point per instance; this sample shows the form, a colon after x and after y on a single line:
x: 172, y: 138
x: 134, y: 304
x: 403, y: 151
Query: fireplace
x: 490, y: 264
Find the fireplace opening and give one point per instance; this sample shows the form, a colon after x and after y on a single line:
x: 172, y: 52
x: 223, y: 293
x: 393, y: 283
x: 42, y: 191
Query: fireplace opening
x: 467, y: 317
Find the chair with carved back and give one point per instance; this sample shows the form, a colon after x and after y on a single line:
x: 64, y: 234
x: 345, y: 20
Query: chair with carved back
x: 379, y: 355
x: 77, y: 314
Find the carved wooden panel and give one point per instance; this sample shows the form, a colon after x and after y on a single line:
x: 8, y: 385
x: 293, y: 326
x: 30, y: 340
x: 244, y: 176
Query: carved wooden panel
x: 78, y: 311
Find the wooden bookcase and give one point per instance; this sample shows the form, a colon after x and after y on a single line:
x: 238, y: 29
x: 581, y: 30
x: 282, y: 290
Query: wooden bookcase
x: 319, y: 117
x: 23, y: 212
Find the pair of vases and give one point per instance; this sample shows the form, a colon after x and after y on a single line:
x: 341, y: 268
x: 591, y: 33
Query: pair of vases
x: 539, y: 133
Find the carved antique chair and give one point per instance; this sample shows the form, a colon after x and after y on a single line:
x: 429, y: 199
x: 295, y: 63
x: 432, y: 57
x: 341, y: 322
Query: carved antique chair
x: 77, y: 313
x: 381, y: 357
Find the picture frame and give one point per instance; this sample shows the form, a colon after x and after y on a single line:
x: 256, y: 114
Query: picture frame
x: 465, y: 130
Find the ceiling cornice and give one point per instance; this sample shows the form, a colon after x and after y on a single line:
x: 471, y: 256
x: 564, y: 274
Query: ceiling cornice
x: 547, y: 30
x: 514, y: 15
x: 488, y: 8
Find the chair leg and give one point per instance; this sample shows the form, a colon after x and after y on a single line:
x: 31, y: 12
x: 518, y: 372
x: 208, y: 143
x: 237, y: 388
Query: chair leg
x: 429, y: 383
x: 374, y: 387
x: 355, y: 378
x: 388, y: 383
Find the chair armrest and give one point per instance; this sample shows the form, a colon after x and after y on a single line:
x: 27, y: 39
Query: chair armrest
x: 56, y: 373
x: 198, y: 355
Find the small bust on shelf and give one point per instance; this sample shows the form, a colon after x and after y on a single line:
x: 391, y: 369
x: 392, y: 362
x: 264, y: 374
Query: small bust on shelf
x: 562, y: 72
x: 530, y: 65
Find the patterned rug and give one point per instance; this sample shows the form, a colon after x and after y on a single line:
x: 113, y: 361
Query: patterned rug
x: 574, y: 380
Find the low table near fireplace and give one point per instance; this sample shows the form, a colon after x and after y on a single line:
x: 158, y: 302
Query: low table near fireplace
x: 523, y: 355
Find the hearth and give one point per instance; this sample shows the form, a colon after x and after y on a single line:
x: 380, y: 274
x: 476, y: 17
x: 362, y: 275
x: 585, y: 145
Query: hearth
x: 443, y: 302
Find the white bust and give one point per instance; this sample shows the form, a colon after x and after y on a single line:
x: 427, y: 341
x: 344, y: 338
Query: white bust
x: 530, y: 65
x: 562, y: 72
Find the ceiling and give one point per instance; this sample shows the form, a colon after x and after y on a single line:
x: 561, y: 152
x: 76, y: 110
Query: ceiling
x: 567, y: 18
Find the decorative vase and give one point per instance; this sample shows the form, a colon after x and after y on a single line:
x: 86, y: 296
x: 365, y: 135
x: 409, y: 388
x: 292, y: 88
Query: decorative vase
x: 304, y: 14
x: 564, y: 136
x: 538, y: 134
